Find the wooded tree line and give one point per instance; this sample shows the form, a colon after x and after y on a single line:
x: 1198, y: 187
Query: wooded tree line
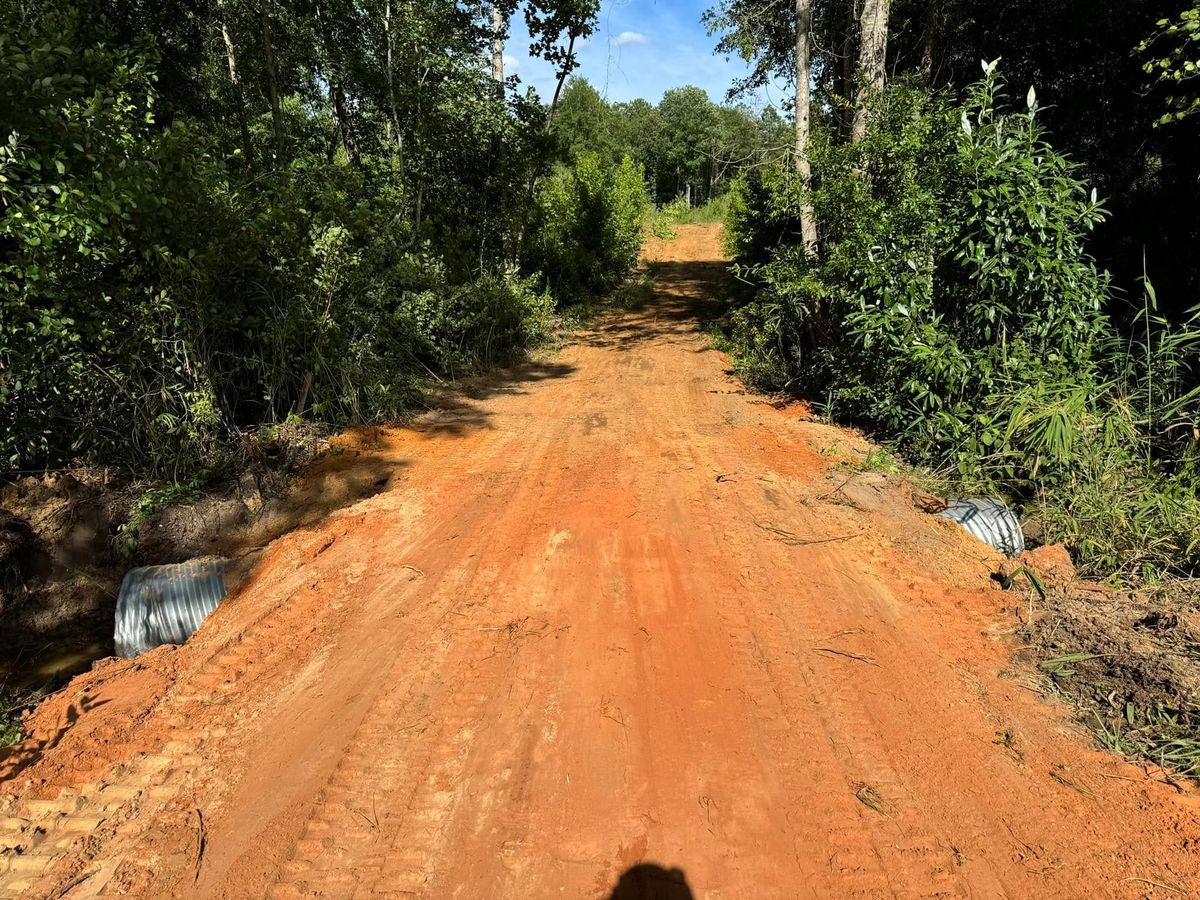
x: 689, y: 147
x: 219, y: 214
x: 1107, y: 73
x: 980, y: 246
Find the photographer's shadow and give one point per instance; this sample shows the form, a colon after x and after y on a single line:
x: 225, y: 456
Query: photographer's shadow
x: 650, y: 882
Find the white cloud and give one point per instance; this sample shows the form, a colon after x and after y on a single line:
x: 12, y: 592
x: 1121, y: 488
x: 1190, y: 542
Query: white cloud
x: 630, y: 37
x: 511, y: 63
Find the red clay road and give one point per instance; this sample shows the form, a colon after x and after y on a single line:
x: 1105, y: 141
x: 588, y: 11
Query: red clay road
x: 608, y: 626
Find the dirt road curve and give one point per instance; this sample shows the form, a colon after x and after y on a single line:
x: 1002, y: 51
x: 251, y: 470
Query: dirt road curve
x: 609, y: 611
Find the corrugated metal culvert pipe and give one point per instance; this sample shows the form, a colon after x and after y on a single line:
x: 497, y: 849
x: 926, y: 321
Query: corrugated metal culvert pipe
x: 166, y: 604
x: 989, y: 520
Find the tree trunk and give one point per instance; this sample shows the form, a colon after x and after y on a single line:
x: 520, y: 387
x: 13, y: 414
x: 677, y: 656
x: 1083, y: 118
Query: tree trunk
x: 230, y: 52
x: 561, y: 80
x: 341, y: 109
x: 498, y: 46
x: 235, y: 83
x: 272, y: 75
x: 872, y: 61
x: 808, y: 222
x: 391, y: 80
x: 932, y: 24
x: 844, y: 69
x: 337, y: 96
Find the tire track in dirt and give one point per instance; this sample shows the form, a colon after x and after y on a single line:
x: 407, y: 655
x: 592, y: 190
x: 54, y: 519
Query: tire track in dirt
x: 396, y: 842
x: 586, y: 627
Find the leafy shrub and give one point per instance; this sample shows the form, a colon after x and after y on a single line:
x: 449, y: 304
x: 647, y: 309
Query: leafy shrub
x: 468, y: 328
x: 588, y: 230
x: 952, y: 267
x: 953, y: 310
x: 91, y: 356
x: 156, y: 296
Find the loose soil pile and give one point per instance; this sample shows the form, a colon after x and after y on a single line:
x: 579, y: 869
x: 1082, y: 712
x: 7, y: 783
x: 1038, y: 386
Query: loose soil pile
x: 66, y: 541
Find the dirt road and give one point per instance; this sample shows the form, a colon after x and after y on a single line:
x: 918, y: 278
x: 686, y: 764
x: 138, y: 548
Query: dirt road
x: 607, y: 613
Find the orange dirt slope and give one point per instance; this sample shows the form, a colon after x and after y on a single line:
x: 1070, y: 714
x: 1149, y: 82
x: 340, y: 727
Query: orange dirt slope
x: 610, y: 612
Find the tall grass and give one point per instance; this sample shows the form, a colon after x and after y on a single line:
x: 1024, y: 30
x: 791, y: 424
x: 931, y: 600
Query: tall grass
x: 663, y: 219
x: 1112, y: 461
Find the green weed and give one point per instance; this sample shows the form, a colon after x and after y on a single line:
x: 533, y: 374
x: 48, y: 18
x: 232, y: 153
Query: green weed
x: 12, y: 704
x: 154, y: 499
x: 663, y: 219
x: 1063, y: 666
x: 1167, y: 738
x: 635, y: 293
x: 875, y: 460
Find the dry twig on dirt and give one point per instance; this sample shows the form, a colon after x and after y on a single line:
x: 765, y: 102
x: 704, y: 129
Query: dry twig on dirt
x: 794, y: 541
x: 74, y: 883
x: 1057, y: 774
x: 201, y: 842
x: 846, y: 653
x: 1158, y: 884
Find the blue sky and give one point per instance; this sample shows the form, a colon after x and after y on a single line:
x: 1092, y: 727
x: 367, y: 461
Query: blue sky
x: 641, y: 48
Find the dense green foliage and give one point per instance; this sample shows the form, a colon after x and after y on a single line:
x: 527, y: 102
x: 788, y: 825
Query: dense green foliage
x: 1100, y: 106
x: 687, y: 146
x: 589, y: 226
x: 1097, y: 100
x: 214, y: 217
x: 953, y: 309
x: 1178, y: 67
x: 954, y: 269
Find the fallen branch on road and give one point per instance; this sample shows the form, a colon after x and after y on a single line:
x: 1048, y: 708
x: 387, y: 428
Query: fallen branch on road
x: 868, y: 660
x: 794, y: 541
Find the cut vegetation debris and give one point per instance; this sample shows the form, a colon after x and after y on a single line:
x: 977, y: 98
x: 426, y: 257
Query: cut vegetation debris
x: 1129, y: 662
x: 871, y: 799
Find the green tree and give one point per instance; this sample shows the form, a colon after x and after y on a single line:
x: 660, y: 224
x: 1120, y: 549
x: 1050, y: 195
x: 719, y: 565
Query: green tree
x: 636, y: 127
x: 584, y: 122
x: 687, y: 144
x: 217, y: 215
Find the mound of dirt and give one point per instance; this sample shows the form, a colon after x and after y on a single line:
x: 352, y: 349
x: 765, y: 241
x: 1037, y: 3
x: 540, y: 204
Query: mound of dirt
x: 1051, y: 563
x: 64, y: 546
x: 1119, y: 654
x: 61, y: 571
x: 88, y: 721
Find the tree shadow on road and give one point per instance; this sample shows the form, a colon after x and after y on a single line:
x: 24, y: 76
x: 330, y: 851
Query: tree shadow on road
x: 64, y: 620
x: 648, y: 881
x: 687, y: 297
